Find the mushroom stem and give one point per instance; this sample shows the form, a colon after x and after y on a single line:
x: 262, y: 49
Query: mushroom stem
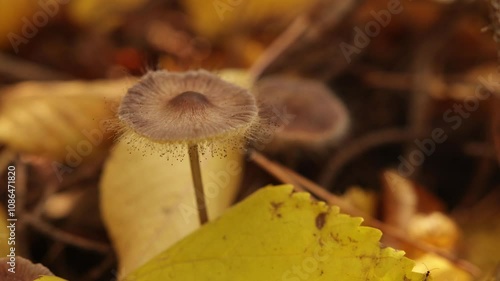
x: 194, y: 160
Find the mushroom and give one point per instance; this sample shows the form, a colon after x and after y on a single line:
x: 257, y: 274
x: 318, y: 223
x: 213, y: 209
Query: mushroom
x: 196, y: 110
x: 309, y: 114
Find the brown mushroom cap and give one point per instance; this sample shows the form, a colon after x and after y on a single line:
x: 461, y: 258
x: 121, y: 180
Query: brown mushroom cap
x: 187, y: 107
x: 316, y: 117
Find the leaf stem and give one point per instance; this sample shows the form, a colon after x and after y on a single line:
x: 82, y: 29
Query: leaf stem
x: 194, y: 160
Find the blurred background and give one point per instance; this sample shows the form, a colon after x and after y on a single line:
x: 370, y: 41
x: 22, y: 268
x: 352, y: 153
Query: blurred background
x: 418, y: 80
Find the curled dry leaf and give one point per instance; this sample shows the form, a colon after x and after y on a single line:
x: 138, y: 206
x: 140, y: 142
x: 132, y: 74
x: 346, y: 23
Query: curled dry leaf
x: 23, y: 269
x: 361, y: 199
x: 276, y: 234
x: 59, y: 119
x: 402, y: 209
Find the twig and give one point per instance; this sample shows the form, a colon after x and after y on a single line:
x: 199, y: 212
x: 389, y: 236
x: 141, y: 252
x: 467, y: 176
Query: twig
x: 357, y: 147
x: 62, y: 236
x: 388, y: 230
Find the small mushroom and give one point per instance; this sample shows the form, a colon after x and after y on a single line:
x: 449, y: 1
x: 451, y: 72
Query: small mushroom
x: 308, y: 114
x: 194, y: 109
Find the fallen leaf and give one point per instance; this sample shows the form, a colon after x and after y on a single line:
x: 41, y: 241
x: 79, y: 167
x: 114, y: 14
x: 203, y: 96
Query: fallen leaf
x: 61, y: 120
x: 276, y: 234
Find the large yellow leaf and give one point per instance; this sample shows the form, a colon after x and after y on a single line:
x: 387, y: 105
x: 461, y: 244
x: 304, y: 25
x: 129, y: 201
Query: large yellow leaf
x: 279, y: 235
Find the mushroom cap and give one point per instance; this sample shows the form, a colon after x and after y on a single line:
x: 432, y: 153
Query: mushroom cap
x: 312, y: 116
x: 189, y: 107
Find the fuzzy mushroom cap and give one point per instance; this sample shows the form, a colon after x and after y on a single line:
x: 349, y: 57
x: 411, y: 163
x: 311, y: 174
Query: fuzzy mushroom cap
x: 191, y: 106
x: 316, y: 116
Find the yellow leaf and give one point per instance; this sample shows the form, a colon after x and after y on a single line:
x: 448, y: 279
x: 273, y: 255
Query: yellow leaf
x: 62, y: 120
x: 222, y: 17
x: 279, y: 235
x: 148, y: 202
